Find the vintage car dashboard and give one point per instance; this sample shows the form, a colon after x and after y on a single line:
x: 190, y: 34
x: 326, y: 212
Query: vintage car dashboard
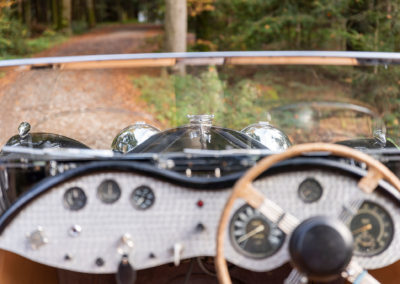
x: 87, y: 218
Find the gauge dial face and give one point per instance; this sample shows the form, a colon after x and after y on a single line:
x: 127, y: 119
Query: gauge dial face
x: 142, y: 197
x: 372, y: 229
x: 108, y: 191
x: 310, y: 190
x: 74, y: 198
x: 253, y: 235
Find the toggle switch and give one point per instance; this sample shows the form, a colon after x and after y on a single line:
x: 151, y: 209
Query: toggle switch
x: 126, y: 274
x: 178, y: 250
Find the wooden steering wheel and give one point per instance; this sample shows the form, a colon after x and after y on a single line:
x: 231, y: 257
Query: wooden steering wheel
x: 244, y: 189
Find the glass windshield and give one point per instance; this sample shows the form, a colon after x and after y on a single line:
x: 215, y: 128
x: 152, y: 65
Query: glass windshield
x: 305, y: 102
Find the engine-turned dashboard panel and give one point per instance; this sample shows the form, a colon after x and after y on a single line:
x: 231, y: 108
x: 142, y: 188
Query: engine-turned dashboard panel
x: 88, y: 223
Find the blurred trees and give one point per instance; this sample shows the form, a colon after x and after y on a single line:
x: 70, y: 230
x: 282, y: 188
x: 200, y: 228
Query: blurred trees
x: 296, y: 25
x: 27, y: 26
x: 231, y: 24
x: 77, y: 15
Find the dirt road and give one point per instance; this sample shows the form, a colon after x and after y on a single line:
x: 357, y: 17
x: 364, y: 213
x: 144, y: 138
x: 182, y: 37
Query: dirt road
x: 91, y: 106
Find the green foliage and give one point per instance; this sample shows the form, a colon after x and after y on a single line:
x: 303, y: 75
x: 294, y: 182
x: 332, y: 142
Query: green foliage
x: 172, y: 97
x: 47, y: 40
x: 79, y: 27
x: 242, y: 96
x: 199, y: 94
x: 381, y: 88
x: 13, y: 34
x: 304, y: 24
x: 159, y: 94
x: 14, y: 40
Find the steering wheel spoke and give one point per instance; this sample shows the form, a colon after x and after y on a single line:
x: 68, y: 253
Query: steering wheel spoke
x: 295, y: 277
x: 285, y: 221
x: 370, y: 181
x: 354, y: 273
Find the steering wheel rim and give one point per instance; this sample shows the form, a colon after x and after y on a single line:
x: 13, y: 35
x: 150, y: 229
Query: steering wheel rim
x: 243, y: 188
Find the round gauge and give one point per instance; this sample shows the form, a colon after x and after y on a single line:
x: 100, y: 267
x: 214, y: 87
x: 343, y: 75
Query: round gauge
x: 74, y: 198
x: 108, y: 191
x: 253, y: 235
x: 142, y: 197
x: 372, y: 229
x: 310, y: 190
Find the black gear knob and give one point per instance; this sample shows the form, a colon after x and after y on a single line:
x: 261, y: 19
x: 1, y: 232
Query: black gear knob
x: 321, y: 247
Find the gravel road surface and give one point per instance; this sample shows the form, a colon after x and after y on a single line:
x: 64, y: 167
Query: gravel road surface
x: 91, y: 106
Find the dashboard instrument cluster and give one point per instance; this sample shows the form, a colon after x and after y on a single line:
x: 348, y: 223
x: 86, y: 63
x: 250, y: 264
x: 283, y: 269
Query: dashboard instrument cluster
x: 86, y: 224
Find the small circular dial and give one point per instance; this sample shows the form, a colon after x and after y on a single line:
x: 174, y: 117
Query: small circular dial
x: 253, y: 235
x: 142, y: 197
x: 74, y: 198
x: 372, y: 229
x: 310, y: 190
x: 108, y: 191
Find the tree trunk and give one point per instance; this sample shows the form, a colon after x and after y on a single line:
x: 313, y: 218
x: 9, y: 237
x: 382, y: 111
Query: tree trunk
x: 119, y: 10
x: 48, y: 13
x: 28, y: 15
x: 91, y: 16
x: 66, y: 16
x: 20, y: 11
x: 175, y: 25
x: 134, y: 9
x: 55, y: 14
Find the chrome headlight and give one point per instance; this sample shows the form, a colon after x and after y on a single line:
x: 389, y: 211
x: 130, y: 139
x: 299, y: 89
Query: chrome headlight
x: 271, y: 137
x: 132, y: 136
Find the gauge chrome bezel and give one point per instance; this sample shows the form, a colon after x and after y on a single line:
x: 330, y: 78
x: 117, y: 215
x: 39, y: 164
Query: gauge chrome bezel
x: 300, y: 190
x: 390, y: 254
x: 73, y: 207
x: 101, y: 196
x: 133, y: 194
x: 242, y: 250
x: 390, y: 240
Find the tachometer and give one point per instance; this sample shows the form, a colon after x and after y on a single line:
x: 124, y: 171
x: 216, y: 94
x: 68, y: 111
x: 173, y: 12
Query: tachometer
x: 372, y: 229
x: 253, y: 235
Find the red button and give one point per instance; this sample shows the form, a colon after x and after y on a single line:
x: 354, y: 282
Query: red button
x: 200, y: 203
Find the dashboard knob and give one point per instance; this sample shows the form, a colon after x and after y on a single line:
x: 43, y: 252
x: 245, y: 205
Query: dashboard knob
x: 321, y: 248
x: 37, y: 238
x: 126, y: 244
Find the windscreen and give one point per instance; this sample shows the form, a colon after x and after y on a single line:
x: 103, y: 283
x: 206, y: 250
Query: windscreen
x: 308, y: 103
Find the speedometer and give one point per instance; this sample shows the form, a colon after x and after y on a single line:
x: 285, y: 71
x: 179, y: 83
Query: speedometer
x: 253, y: 235
x: 372, y: 229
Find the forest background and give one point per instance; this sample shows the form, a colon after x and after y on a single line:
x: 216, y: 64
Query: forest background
x: 30, y: 26
x: 217, y: 24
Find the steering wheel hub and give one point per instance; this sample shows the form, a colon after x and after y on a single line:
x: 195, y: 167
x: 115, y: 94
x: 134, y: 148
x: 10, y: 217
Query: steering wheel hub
x: 321, y: 248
